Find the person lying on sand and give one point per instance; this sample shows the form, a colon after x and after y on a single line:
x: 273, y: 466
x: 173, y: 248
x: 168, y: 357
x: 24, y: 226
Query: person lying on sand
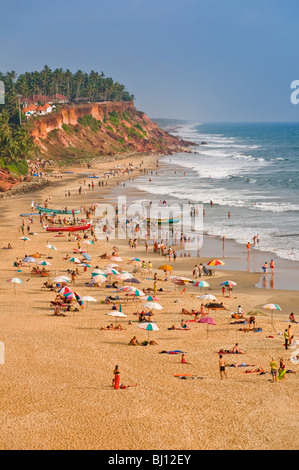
x: 214, y: 305
x: 259, y: 370
x: 149, y: 343
x: 241, y: 364
x: 185, y: 327
x: 111, y: 327
x: 235, y: 350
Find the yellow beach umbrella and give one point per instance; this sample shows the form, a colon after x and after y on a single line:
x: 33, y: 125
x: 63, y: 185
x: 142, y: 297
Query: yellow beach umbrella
x: 166, y: 267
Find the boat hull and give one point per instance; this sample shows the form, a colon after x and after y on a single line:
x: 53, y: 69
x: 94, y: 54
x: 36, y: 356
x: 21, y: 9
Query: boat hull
x: 70, y: 228
x: 55, y: 211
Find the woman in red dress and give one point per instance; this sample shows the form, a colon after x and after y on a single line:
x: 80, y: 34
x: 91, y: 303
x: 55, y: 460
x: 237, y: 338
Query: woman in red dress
x: 116, y: 378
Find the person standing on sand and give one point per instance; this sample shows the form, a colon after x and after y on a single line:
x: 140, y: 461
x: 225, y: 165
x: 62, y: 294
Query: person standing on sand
x: 272, y: 266
x: 116, y: 380
x: 286, y: 339
x: 273, y: 366
x: 222, y: 367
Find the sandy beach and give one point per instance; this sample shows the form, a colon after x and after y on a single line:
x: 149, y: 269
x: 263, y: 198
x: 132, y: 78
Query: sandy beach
x: 56, y: 383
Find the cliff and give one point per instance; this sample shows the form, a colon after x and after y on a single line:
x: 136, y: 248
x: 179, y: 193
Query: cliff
x: 80, y: 132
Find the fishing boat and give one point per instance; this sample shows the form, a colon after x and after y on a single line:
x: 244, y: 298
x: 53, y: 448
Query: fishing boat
x: 55, y: 211
x: 69, y: 228
x: 164, y: 216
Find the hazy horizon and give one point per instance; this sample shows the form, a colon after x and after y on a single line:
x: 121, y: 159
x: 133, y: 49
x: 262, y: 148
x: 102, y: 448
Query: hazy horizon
x: 194, y: 60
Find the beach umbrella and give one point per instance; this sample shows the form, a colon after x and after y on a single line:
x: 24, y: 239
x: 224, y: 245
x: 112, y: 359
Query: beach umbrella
x: 228, y: 283
x: 166, y: 267
x: 153, y: 306
x: 111, y: 271
x: 135, y: 263
x: 201, y: 284
x: 87, y: 299
x: 25, y: 239
x: 148, y: 326
x: 100, y: 278
x: 96, y: 272
x: 135, y: 259
x: 44, y: 263
x: 150, y: 298
x: 29, y: 259
x: 206, y: 297
x: 132, y: 291
x: 116, y: 314
x: 216, y: 262
x: 116, y: 258
x: 136, y: 292
x: 256, y: 312
x: 272, y: 307
x: 86, y: 256
x: 51, y: 247
x: 124, y: 276
x: 88, y: 242
x: 112, y: 265
x: 61, y: 279
x: 75, y: 260
x: 208, y: 321
x: 65, y: 290
x: 133, y: 280
x: 14, y: 281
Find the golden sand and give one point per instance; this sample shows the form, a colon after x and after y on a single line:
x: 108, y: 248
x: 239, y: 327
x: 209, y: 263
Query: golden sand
x: 55, y: 384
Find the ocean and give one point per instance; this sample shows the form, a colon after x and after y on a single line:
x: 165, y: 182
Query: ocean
x: 250, y: 170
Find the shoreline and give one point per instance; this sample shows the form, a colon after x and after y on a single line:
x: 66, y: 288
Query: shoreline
x: 286, y: 275
x: 58, y: 371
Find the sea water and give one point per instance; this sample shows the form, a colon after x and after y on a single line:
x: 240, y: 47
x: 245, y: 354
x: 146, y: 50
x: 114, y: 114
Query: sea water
x: 248, y: 170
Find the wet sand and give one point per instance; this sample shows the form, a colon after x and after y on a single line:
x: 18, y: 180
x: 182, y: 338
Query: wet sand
x: 56, y: 381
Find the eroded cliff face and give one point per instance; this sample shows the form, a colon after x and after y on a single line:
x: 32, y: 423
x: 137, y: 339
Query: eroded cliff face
x: 69, y: 115
x: 76, y: 133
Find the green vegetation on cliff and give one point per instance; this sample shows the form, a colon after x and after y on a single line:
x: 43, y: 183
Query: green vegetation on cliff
x: 16, y: 146
x: 93, y: 86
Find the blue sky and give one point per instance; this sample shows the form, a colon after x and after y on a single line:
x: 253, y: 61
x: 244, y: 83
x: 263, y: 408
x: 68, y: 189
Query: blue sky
x: 203, y: 60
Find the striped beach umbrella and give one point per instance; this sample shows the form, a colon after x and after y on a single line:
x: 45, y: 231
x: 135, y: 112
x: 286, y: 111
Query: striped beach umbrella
x: 14, y: 281
x: 272, y: 307
x: 96, y: 272
x: 228, y: 283
x: 44, y: 263
x: 148, y: 326
x: 201, y: 284
x: 216, y: 262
